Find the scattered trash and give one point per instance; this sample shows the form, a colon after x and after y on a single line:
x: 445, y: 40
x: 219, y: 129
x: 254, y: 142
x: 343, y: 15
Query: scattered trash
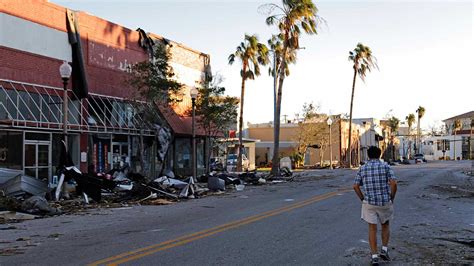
x: 23, y: 185
x: 76, y: 191
x: 55, y: 235
x: 214, y: 183
x: 161, y: 191
x: 278, y: 181
x: 7, y: 174
x: 171, y: 182
x: 169, y: 173
x: 152, y: 196
x: 158, y: 202
x: 285, y: 162
x: 286, y: 171
x: 188, y: 191
x: 38, y: 205
x: 8, y: 228
x: 12, y: 216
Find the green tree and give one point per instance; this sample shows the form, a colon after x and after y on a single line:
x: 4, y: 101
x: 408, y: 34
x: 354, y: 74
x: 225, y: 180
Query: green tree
x: 410, y: 120
x: 251, y: 54
x: 309, y: 129
x: 292, y: 18
x: 421, y: 112
x: 364, y: 62
x: 216, y: 112
x: 154, y: 81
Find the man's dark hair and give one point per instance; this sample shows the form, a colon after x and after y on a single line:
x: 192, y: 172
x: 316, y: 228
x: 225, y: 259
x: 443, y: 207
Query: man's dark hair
x: 374, y: 152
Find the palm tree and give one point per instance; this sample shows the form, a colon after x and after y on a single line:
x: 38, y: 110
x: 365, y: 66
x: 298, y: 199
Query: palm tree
x: 291, y: 18
x: 410, y: 120
x: 456, y: 126
x: 251, y: 54
x: 363, y: 61
x: 421, y: 112
x: 393, y: 124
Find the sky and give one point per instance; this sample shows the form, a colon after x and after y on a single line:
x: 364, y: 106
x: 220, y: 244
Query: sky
x: 424, y: 51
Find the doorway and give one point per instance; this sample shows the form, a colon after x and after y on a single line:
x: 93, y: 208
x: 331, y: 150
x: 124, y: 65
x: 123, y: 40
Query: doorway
x: 37, y: 156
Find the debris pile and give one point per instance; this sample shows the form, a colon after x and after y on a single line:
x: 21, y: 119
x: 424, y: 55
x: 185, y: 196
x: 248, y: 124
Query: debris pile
x: 24, y: 197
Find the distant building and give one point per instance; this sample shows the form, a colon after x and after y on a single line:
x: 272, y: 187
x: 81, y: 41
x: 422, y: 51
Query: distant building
x: 453, y: 144
x: 289, y: 141
x: 371, y: 134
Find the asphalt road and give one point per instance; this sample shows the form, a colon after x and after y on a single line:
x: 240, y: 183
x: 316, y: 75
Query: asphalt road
x: 312, y: 221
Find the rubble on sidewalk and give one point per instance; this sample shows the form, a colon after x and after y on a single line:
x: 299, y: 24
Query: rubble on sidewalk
x: 7, y: 174
x: 13, y: 216
x: 22, y: 185
x: 21, y: 196
x: 38, y: 205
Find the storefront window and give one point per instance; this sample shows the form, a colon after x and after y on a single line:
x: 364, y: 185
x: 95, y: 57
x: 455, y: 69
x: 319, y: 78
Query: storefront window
x: 183, y: 153
x: 74, y: 115
x: 200, y: 153
x: 11, y: 152
x: 149, y: 158
x: 50, y: 109
x: 120, y: 152
x: 99, y: 153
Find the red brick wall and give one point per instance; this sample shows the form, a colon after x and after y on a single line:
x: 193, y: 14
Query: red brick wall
x: 27, y: 67
x: 107, y: 47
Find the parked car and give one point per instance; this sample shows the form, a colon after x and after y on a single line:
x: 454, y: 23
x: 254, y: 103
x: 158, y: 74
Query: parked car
x: 232, y: 161
x: 419, y: 158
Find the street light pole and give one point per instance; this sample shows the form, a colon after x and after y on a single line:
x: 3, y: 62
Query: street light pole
x: 65, y: 71
x: 194, y: 92
x: 330, y: 144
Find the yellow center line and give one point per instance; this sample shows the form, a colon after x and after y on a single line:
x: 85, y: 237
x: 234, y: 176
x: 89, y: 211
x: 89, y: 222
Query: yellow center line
x: 145, y: 251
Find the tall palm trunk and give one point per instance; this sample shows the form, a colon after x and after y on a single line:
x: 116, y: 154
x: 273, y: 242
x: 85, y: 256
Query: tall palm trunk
x: 350, y: 118
x: 276, y: 130
x: 241, y: 118
x: 418, y: 137
x: 276, y: 123
x: 409, y: 143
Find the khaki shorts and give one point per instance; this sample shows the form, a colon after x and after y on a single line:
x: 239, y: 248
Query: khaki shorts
x: 374, y: 214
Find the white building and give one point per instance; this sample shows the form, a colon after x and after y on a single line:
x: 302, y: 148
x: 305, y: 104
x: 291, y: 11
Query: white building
x: 370, y: 134
x: 457, y: 144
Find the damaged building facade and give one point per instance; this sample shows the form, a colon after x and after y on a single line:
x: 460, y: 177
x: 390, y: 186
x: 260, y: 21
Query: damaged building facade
x: 106, y: 125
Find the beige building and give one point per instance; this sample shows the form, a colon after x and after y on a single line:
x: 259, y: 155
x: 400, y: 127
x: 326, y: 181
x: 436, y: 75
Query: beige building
x: 318, y: 151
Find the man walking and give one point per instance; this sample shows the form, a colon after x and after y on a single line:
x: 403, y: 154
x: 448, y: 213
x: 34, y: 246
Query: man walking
x: 376, y: 186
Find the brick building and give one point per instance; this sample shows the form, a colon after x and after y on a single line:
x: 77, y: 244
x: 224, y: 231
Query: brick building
x: 106, y: 126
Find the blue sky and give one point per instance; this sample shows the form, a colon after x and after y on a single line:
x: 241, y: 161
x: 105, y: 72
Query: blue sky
x: 424, y: 50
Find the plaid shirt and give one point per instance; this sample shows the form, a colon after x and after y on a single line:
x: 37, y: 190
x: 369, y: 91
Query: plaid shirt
x: 373, y: 177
